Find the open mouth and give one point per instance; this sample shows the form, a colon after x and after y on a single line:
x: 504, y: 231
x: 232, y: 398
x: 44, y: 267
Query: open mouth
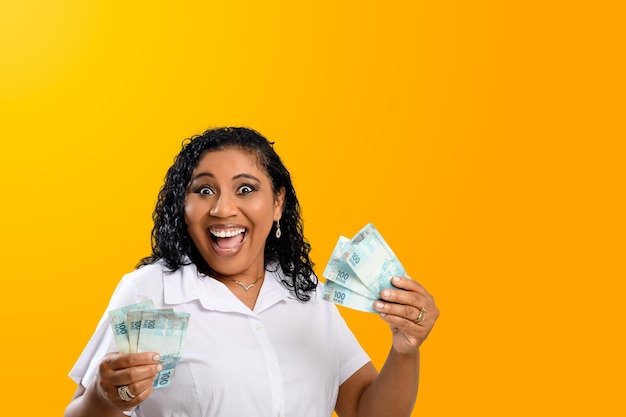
x: 228, y: 238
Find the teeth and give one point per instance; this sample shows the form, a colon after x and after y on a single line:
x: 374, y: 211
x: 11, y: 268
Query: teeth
x: 227, y: 232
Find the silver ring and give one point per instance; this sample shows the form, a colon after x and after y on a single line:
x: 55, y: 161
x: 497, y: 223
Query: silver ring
x: 125, y: 393
x: 421, y: 316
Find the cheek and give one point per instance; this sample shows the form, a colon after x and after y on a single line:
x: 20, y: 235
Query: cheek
x: 265, y: 211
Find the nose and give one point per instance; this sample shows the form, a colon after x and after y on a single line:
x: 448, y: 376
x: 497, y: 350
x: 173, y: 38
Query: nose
x: 225, y: 206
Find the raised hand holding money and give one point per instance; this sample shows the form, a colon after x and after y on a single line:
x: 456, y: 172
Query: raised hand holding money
x: 367, y: 261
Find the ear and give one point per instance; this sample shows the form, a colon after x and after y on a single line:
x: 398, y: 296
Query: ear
x: 279, y: 203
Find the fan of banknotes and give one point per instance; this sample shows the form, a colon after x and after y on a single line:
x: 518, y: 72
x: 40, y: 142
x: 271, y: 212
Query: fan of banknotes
x: 141, y: 328
x: 359, y: 269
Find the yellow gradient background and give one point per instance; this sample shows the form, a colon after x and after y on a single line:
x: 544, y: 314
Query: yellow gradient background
x: 484, y: 140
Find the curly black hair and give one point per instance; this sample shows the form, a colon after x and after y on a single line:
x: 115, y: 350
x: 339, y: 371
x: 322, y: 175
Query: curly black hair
x: 171, y: 241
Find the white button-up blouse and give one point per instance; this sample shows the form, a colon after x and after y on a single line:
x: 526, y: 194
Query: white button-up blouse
x: 284, y: 358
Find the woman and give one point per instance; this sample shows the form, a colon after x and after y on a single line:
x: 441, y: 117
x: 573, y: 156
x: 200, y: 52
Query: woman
x: 228, y: 248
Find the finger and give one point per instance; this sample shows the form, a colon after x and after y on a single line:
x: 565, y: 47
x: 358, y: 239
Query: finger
x: 116, y: 361
x: 142, y: 388
x: 405, y: 297
x: 406, y: 312
x: 408, y: 326
x: 406, y: 294
x: 409, y: 285
x: 136, y: 374
x: 409, y: 305
x: 137, y: 392
x: 113, y: 370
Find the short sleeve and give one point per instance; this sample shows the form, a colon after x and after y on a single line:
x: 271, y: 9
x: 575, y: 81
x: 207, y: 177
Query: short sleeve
x: 352, y: 356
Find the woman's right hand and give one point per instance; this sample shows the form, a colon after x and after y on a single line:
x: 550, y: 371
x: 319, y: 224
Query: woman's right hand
x: 136, y: 371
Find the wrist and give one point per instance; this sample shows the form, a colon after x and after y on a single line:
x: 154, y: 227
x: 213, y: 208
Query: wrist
x: 409, y: 355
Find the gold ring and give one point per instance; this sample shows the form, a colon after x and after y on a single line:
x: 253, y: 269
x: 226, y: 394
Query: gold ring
x: 125, y: 393
x: 421, y: 316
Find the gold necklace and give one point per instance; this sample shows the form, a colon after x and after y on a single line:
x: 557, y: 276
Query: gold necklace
x: 242, y: 285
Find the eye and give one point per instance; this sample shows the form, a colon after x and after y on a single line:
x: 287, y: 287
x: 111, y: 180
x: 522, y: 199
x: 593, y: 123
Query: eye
x: 246, y: 189
x: 204, y: 191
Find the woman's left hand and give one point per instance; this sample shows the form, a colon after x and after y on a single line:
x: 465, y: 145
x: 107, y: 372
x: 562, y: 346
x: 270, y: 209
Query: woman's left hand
x: 410, y: 311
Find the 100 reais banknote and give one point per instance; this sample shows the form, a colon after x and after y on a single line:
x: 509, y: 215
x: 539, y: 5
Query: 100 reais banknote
x: 359, y: 269
x: 141, y: 328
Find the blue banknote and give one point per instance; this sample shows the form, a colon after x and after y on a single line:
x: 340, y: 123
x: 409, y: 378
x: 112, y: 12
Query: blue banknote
x: 164, y: 332
x: 365, y: 258
x: 340, y: 273
x: 343, y: 296
x: 371, y: 259
x: 141, y: 328
x: 133, y: 325
x: 119, y: 323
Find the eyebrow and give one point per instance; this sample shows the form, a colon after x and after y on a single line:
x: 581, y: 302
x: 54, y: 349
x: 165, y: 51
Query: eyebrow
x: 236, y: 177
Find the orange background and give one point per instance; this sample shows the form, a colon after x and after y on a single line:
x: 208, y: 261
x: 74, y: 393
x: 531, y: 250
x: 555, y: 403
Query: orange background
x: 483, y: 139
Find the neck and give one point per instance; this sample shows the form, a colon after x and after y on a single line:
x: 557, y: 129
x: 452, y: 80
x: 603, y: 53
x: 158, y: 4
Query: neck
x: 244, y: 285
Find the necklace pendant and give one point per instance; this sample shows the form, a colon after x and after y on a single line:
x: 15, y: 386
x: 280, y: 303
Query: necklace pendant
x: 244, y: 286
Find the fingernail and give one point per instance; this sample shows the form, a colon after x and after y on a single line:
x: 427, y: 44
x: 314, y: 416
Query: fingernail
x: 396, y: 279
x: 156, y: 357
x: 378, y: 304
x: 159, y: 368
x: 386, y: 293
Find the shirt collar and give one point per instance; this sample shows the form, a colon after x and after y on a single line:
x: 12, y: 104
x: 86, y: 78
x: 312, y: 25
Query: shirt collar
x: 186, y: 284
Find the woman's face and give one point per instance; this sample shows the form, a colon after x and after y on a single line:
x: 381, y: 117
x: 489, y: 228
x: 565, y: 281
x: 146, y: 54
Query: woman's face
x: 229, y: 211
